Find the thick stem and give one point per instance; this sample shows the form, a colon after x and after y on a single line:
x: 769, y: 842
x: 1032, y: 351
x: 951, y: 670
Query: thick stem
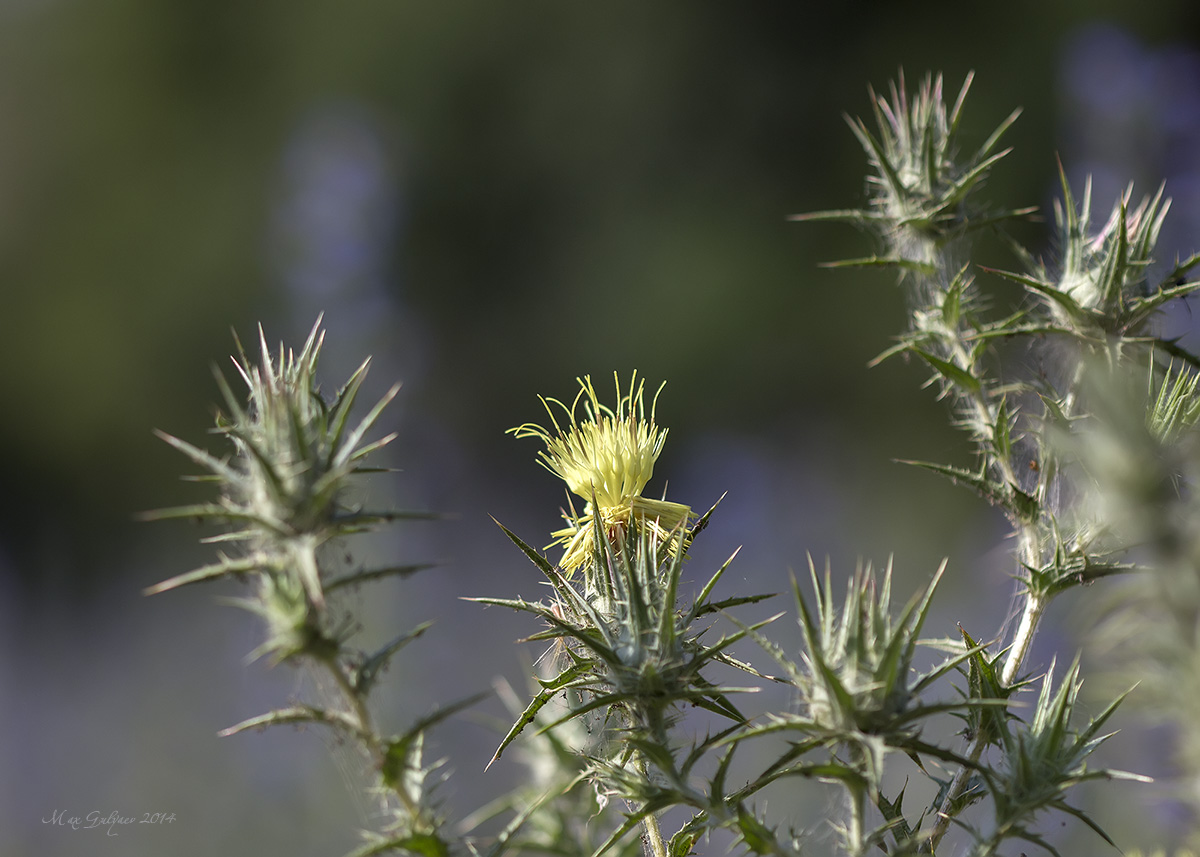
x: 1029, y: 553
x: 857, y: 811
x: 358, y: 706
x: 361, y: 714
x: 1035, y: 605
x: 958, y: 787
x: 655, y: 847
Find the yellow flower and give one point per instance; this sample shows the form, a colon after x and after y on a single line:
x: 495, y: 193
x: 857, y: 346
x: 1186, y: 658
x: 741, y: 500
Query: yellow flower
x: 606, y: 457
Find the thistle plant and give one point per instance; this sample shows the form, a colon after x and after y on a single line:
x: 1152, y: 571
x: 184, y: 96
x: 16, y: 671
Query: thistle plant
x: 1095, y: 306
x: 1091, y: 460
x: 552, y: 814
x: 861, y: 698
x: 281, y: 506
x: 1040, y: 763
x: 624, y: 644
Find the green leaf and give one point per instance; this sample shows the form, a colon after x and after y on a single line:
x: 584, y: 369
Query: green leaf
x: 537, y: 559
x: 955, y: 375
x: 225, y: 568
x: 237, y: 414
x: 952, y: 300
x: 700, y: 605
x: 1020, y: 505
x: 893, y: 813
x: 631, y: 821
x: 855, y: 216
x: 364, y: 676
x: 968, y: 180
x: 397, y: 755
x: 204, y: 459
x: 683, y: 842
x: 341, y: 408
x: 879, y: 156
x: 302, y: 714
x: 364, y: 520
x: 373, y: 574
x: 1002, y: 432
x: 1086, y: 819
x: 423, y: 844
x: 349, y: 445
x: 1068, y: 304
x: 755, y: 835
x: 737, y: 601
x: 923, y: 268
x: 906, y: 343
x: 550, y: 690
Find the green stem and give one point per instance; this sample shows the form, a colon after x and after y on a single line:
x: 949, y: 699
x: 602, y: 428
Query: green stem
x: 1035, y: 605
x: 654, y: 845
x: 651, y: 718
x: 654, y: 840
x: 362, y: 715
x: 857, y: 810
x: 958, y: 787
x: 358, y: 706
x: 1029, y: 552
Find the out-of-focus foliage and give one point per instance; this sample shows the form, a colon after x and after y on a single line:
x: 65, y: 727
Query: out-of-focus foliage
x: 542, y: 154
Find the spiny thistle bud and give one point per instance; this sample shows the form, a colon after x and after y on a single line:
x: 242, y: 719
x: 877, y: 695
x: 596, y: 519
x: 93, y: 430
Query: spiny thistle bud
x: 282, y: 490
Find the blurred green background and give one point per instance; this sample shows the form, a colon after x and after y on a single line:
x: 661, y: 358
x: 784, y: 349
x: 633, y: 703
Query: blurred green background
x: 490, y: 199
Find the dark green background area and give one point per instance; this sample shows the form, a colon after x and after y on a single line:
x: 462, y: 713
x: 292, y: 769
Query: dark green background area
x: 580, y: 188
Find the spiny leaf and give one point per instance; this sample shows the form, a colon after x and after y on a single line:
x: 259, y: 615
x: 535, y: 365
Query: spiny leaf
x: 1020, y: 505
x: 366, y: 673
x: 225, y: 568
x: 923, y: 268
x: 373, y: 574
x: 422, y: 844
x: 350, y: 443
x: 855, y: 216
x: 341, y: 408
x: 302, y: 714
x: 956, y: 375
x: 683, y: 842
x: 754, y: 834
x: 550, y: 689
x: 737, y: 601
x: 537, y: 559
x: 204, y: 459
x: 398, y: 749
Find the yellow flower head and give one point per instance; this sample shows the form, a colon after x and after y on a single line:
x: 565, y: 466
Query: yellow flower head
x: 606, y: 457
